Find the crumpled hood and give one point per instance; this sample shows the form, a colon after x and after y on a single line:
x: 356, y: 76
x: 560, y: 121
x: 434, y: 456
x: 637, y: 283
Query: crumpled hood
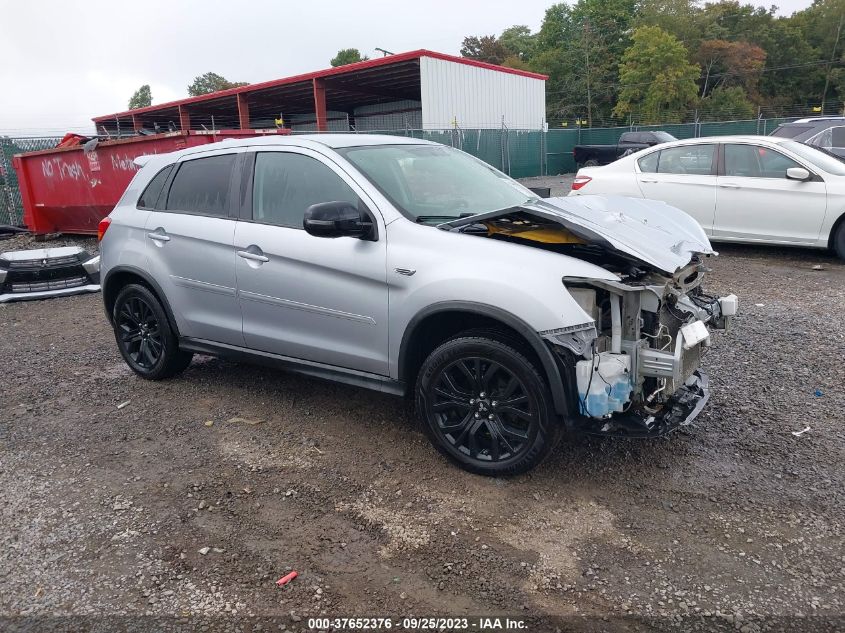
x: 649, y: 230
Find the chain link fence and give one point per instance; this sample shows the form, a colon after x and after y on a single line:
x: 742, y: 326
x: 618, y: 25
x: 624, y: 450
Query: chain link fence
x: 11, y: 207
x: 518, y: 153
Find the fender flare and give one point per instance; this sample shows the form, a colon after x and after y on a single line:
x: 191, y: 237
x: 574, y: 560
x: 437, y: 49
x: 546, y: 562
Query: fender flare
x: 550, y: 365
x: 148, y: 279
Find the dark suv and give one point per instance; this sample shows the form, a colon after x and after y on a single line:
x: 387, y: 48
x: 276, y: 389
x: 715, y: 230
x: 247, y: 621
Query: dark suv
x: 825, y: 132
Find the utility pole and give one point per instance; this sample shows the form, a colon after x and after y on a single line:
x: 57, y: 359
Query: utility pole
x: 587, y: 55
x: 830, y: 63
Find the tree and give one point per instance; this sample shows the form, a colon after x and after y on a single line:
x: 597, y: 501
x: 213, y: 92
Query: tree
x: 726, y: 103
x: 486, y: 48
x: 579, y: 47
x: 519, y: 42
x: 730, y: 64
x: 142, y: 98
x: 657, y: 80
x: 211, y: 82
x: 348, y: 56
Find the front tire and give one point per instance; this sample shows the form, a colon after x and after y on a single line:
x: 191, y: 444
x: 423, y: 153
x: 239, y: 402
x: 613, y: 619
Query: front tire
x: 144, y: 336
x: 485, y: 406
x: 839, y: 241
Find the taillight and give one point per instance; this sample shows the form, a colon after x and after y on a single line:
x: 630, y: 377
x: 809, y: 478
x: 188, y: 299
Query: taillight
x: 579, y: 182
x: 102, y: 227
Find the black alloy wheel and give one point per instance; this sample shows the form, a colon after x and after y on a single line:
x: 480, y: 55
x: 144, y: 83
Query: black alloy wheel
x: 140, y: 333
x: 144, y: 335
x: 486, y: 407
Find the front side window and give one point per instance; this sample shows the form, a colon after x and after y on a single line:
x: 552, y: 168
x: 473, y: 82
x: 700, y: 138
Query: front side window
x: 754, y: 161
x: 687, y: 159
x: 286, y: 184
x: 837, y: 136
x: 202, y: 186
x: 152, y: 192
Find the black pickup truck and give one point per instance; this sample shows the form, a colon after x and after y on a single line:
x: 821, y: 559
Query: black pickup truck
x: 629, y: 142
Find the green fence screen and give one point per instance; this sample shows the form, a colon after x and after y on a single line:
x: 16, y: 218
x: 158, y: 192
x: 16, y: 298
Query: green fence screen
x: 518, y: 153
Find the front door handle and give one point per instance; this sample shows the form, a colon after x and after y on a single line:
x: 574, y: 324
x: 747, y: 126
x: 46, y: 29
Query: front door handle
x: 649, y: 181
x: 255, y: 257
x: 729, y: 185
x: 158, y: 237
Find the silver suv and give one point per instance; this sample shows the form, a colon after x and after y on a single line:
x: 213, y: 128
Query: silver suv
x: 415, y: 269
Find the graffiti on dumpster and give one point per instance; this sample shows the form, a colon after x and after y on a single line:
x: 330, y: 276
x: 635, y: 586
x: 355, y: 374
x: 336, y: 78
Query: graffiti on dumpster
x: 123, y: 163
x: 64, y: 170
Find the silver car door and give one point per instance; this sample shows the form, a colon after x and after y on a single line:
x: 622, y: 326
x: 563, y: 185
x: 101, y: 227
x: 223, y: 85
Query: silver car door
x: 190, y: 247
x: 306, y: 297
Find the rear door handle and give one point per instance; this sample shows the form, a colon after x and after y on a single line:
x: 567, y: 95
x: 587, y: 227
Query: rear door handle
x: 253, y: 256
x: 728, y: 185
x: 644, y: 180
x: 158, y: 237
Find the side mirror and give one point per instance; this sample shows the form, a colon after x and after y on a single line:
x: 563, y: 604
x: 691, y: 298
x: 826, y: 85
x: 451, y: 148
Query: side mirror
x: 798, y: 173
x: 337, y: 219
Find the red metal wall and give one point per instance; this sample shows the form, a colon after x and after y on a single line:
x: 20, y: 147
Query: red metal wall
x: 68, y: 190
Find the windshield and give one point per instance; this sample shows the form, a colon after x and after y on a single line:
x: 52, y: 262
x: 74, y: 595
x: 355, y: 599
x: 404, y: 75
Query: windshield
x: 434, y: 183
x: 664, y: 137
x: 826, y: 161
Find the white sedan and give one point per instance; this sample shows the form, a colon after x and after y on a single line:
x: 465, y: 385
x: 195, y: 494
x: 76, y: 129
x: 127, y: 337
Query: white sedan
x: 753, y: 189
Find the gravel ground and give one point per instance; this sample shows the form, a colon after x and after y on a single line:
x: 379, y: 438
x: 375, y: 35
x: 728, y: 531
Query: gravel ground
x: 194, y: 495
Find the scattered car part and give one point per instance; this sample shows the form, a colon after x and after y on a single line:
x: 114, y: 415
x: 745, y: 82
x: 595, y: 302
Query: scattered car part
x: 48, y: 272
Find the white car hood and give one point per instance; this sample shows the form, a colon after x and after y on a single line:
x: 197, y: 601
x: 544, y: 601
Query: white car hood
x: 652, y: 231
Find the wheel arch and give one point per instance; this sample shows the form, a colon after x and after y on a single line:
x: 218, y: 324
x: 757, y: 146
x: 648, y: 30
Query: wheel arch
x: 439, y: 322
x: 119, y: 276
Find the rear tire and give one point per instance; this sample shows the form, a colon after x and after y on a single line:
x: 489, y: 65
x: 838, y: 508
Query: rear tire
x: 839, y: 241
x: 486, y: 407
x: 144, y: 336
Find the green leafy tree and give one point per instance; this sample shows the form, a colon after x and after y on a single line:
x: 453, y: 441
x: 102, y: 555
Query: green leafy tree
x: 142, y: 98
x: 726, y: 103
x: 486, y: 48
x: 348, y: 56
x: 212, y: 82
x: 657, y: 80
x: 519, y: 42
x: 579, y: 47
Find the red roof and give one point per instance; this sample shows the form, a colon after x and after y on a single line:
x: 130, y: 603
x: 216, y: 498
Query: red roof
x: 328, y: 72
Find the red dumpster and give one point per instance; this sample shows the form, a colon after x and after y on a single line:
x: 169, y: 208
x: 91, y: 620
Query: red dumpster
x: 69, y: 190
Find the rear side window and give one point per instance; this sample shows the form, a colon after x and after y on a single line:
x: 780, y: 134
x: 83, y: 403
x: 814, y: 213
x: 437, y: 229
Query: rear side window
x: 151, y: 194
x: 648, y: 164
x: 286, y: 184
x: 202, y: 186
x: 687, y: 159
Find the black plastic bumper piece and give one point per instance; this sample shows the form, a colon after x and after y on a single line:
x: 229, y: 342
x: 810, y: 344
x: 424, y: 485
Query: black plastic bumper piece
x: 681, y: 409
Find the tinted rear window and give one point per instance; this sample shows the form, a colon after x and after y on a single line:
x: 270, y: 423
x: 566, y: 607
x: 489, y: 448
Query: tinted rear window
x: 151, y: 194
x: 202, y: 186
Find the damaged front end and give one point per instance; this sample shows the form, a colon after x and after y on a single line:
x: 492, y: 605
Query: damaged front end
x: 637, y: 365
x: 633, y: 367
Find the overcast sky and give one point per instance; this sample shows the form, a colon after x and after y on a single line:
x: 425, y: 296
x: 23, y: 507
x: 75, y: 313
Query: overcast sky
x: 63, y: 62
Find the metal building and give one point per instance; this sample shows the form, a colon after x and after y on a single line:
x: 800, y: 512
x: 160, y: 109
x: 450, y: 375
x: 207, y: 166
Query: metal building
x: 418, y: 90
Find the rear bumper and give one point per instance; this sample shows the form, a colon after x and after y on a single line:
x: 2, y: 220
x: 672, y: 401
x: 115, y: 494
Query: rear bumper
x: 680, y: 410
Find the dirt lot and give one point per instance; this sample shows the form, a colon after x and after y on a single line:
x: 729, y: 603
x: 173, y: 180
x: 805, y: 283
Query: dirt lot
x: 171, y: 505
